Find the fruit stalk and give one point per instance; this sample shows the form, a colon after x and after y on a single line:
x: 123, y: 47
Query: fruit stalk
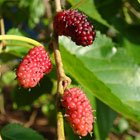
x: 0, y: 137
x: 58, y: 5
x: 20, y: 38
x: 2, y: 28
x: 62, y: 80
x: 60, y: 90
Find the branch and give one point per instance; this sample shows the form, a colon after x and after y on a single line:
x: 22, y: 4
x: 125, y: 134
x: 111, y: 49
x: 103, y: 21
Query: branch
x: 48, y: 13
x: 31, y: 119
x: 20, y: 38
x: 2, y: 109
x: 62, y: 80
x: 132, y: 9
x: 58, y: 5
x: 2, y: 30
x: 0, y: 137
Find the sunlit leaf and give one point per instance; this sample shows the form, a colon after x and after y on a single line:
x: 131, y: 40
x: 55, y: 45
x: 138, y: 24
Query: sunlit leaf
x: 105, y: 71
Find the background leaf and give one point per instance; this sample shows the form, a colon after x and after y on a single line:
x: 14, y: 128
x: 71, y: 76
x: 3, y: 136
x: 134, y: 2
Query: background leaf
x: 105, y: 118
x: 17, y: 48
x: 91, y: 11
x: 18, y: 132
x: 36, y: 10
x: 103, y: 62
x: 20, y: 95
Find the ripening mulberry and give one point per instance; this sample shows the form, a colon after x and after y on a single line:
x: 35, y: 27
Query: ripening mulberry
x: 33, y: 67
x: 74, y: 24
x: 78, y: 111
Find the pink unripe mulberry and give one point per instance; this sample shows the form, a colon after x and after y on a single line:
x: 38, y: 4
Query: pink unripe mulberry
x: 33, y: 67
x: 78, y: 111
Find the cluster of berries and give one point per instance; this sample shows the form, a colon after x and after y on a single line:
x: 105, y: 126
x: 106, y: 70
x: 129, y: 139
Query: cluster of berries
x: 37, y: 63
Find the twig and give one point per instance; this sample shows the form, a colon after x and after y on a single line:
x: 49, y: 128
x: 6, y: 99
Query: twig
x: 133, y: 133
x: 2, y: 109
x: 20, y: 38
x: 63, y: 3
x: 2, y: 28
x: 31, y: 119
x: 0, y: 137
x: 62, y: 80
x: 132, y: 9
x: 48, y: 13
x: 8, y: 118
x: 58, y: 5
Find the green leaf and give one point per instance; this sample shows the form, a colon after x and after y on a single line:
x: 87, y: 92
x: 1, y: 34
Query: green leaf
x: 130, y: 40
x: 1, y: 2
x: 18, y: 132
x: 91, y: 11
x: 36, y: 10
x: 17, y: 48
x: 70, y: 135
x: 15, y: 31
x: 105, y: 119
x: 108, y: 9
x: 69, y: 132
x: 106, y: 72
x: 20, y: 95
x: 8, y: 77
x: 133, y: 49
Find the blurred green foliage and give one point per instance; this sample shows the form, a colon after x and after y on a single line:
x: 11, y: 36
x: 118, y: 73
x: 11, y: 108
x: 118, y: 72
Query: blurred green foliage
x: 18, y: 132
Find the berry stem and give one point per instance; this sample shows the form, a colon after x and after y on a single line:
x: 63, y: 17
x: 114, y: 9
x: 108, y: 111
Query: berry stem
x: 58, y: 5
x: 60, y: 89
x: 2, y: 28
x: 20, y: 38
x: 62, y: 80
x: 0, y: 137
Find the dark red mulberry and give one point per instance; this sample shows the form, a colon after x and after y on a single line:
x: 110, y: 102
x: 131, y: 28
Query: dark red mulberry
x: 74, y: 24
